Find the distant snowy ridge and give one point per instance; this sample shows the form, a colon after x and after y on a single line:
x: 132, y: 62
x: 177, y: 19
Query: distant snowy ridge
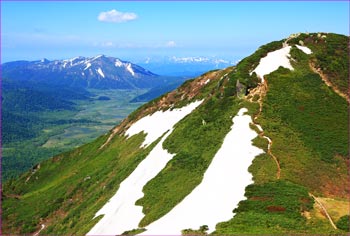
x: 189, y: 66
x: 88, y: 62
x: 101, y: 72
x: 200, y: 60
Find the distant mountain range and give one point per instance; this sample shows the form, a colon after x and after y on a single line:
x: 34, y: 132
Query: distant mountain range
x: 184, y: 66
x: 100, y: 72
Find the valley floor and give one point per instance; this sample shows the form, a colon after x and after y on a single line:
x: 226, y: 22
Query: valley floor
x: 60, y: 133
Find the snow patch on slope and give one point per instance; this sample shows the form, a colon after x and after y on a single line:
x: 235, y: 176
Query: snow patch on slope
x: 156, y: 124
x: 118, y: 63
x: 99, y: 70
x: 73, y: 61
x: 306, y: 50
x: 96, y: 57
x: 121, y: 213
x: 129, y: 68
x: 222, y: 188
x: 87, y: 66
x: 272, y: 61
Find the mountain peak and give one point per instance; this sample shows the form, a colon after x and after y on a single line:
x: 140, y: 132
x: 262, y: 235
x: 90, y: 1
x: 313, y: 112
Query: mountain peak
x: 94, y: 72
x: 44, y: 60
x: 100, y: 56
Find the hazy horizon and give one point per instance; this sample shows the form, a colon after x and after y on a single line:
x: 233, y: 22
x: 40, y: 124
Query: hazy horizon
x: 137, y: 30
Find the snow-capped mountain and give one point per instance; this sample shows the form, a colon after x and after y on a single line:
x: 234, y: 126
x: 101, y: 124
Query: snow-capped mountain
x: 95, y: 72
x: 185, y: 66
x: 216, y: 61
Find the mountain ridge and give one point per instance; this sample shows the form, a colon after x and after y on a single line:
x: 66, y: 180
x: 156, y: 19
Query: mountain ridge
x: 190, y: 66
x: 101, y: 72
x: 304, y: 118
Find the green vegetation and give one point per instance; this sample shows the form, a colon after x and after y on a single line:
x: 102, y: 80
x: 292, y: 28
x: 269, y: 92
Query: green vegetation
x: 21, y: 103
x: 134, y: 231
x: 344, y: 223
x: 69, y: 188
x: 308, y: 123
x: 273, y: 207
x: 201, y: 231
x: 158, y: 91
x: 331, y: 55
x: 263, y: 169
x: 35, y: 129
x: 106, y: 114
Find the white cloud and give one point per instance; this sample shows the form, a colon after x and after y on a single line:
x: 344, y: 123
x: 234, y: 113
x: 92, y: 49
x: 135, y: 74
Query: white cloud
x: 115, y: 16
x: 108, y: 44
x: 170, y: 44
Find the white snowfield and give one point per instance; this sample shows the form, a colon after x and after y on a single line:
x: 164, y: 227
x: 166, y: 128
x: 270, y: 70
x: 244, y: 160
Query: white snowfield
x: 99, y: 70
x: 87, y: 66
x: 222, y: 187
x: 118, y: 63
x: 273, y: 60
x: 120, y: 212
x: 129, y: 68
x: 156, y: 124
x: 96, y: 57
x: 306, y: 50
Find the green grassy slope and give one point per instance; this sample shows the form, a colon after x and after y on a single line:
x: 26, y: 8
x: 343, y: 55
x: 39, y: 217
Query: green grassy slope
x: 65, y: 192
x: 308, y: 123
x: 306, y: 120
x: 330, y: 55
x: 273, y: 207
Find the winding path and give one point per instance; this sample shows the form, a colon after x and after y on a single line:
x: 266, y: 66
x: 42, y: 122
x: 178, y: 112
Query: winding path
x: 33, y: 172
x: 328, y: 82
x: 261, y: 91
x: 278, y: 174
x: 324, y: 210
x: 42, y: 227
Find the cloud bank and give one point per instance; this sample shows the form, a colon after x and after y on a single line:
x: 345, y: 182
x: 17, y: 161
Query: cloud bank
x: 115, y: 16
x: 170, y: 44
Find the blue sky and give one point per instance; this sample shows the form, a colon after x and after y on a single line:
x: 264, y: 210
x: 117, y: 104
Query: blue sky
x: 134, y: 30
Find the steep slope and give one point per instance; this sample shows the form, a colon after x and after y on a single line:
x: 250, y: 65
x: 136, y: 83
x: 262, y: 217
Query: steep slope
x: 173, y: 161
x: 100, y: 72
x: 307, y: 122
